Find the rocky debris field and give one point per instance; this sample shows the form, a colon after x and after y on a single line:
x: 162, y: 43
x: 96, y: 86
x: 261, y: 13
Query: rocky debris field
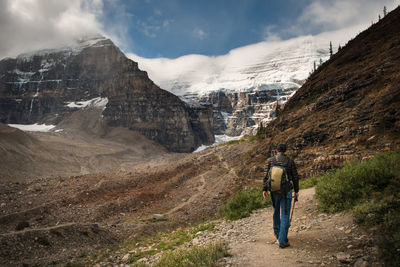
x: 58, y: 220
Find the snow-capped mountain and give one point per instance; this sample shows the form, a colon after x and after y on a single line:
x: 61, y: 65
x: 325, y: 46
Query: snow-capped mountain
x: 251, y: 78
x: 284, y: 64
x: 91, y: 86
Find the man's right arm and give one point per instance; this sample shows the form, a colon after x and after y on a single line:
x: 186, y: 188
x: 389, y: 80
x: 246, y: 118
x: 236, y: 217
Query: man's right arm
x: 266, y: 171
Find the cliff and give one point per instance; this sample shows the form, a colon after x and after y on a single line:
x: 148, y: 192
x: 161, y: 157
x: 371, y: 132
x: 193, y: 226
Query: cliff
x: 45, y: 86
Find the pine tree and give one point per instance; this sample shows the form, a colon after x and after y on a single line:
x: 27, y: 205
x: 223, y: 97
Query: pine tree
x: 379, y: 17
x: 330, y: 48
x: 320, y: 61
x: 315, y: 66
x: 339, y: 48
x: 384, y: 11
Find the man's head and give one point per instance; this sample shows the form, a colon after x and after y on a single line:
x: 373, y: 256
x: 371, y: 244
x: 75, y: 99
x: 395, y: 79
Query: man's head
x: 281, y: 148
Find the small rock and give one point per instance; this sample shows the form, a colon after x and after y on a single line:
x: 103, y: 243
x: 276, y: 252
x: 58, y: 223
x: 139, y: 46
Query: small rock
x: 343, y: 257
x: 361, y: 263
x: 142, y: 260
x: 2, y: 204
x: 341, y: 228
x: 348, y: 231
x: 195, y: 242
x: 159, y: 217
x: 349, y: 246
x: 126, y: 257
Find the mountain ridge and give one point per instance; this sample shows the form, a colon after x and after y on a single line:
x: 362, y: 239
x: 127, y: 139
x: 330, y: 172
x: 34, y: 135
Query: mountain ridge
x: 39, y: 88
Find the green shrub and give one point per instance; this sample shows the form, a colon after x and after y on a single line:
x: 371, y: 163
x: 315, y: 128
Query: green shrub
x: 308, y: 182
x: 371, y: 190
x: 344, y: 188
x: 194, y: 256
x: 234, y: 142
x: 243, y: 203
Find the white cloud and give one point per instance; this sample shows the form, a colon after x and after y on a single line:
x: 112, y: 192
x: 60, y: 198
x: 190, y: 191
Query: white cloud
x: 27, y: 25
x: 199, y: 33
x: 270, y: 35
x: 326, y: 15
x: 199, y: 73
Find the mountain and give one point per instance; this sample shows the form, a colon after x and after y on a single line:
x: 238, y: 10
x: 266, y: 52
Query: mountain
x: 244, y: 85
x: 46, y: 86
x: 348, y: 108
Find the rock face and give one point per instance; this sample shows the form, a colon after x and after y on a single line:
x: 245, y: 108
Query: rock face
x: 47, y: 85
x: 237, y: 113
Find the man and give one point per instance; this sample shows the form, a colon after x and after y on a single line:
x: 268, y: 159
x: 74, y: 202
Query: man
x: 282, y: 203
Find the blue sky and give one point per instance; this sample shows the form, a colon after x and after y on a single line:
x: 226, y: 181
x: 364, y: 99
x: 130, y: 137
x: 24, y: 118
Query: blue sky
x: 174, y: 28
x: 211, y: 27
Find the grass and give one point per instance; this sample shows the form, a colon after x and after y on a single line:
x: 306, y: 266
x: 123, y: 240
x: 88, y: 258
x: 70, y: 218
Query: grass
x: 309, y: 182
x: 233, y: 142
x: 371, y: 190
x: 259, y: 135
x: 159, y: 242
x: 194, y: 256
x: 243, y: 203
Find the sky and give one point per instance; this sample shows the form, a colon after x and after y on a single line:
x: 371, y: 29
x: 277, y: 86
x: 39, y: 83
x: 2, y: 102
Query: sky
x: 175, y: 28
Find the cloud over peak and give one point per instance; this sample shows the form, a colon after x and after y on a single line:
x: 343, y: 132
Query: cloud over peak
x: 27, y: 25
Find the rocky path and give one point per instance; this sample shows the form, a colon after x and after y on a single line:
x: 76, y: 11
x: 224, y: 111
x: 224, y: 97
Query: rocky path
x: 316, y: 239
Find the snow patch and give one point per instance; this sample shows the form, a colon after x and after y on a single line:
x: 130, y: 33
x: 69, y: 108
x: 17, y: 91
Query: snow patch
x: 219, y: 139
x: 225, y: 115
x: 33, y: 127
x: 72, y: 49
x: 95, y: 102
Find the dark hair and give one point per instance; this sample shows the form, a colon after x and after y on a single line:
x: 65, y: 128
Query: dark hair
x: 281, y: 148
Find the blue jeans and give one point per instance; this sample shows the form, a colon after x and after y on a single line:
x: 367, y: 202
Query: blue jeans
x: 281, y: 218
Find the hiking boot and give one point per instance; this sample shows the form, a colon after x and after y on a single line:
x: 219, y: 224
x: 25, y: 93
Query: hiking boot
x: 284, y: 245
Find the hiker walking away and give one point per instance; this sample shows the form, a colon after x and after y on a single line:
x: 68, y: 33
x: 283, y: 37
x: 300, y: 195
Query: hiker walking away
x: 280, y: 179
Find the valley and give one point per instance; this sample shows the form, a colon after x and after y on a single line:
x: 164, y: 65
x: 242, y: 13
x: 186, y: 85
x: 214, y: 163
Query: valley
x: 118, y: 164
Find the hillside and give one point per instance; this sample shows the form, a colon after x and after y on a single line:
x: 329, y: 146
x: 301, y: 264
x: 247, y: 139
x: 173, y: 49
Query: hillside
x: 348, y: 108
x: 71, y: 151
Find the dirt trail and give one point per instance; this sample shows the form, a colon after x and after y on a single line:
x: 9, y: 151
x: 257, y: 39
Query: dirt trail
x: 316, y: 239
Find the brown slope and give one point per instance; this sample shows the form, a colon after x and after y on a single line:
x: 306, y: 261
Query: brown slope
x: 25, y: 156
x: 348, y: 108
